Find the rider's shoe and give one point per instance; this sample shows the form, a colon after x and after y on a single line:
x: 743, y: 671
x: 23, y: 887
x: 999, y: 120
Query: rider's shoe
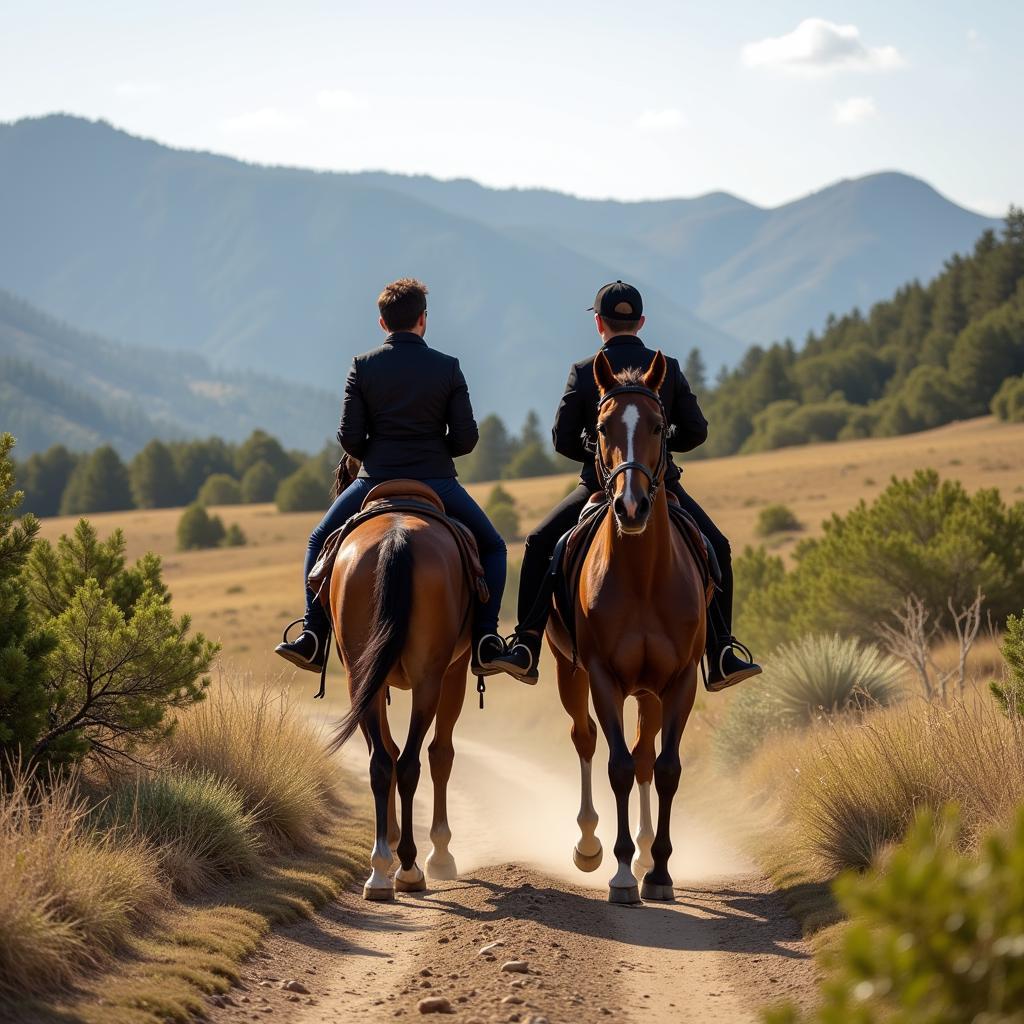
x: 726, y: 668
x: 521, y: 657
x: 488, y: 649
x: 308, y: 650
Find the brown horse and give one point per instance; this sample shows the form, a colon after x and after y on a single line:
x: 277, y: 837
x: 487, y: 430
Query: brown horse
x: 401, y: 608
x: 641, y: 616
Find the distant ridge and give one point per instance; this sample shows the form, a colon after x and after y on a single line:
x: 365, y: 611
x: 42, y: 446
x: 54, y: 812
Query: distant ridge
x: 275, y: 269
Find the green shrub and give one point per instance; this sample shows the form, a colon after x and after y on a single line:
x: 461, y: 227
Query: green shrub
x: 220, y: 489
x: 531, y: 460
x: 774, y: 519
x: 814, y: 677
x: 196, y: 822
x: 935, y: 938
x: 1009, y: 693
x: 1008, y: 403
x: 259, y: 483
x: 303, y: 491
x: 234, y: 537
x: 501, y: 510
x: 24, y: 698
x: 922, y: 536
x: 198, y: 529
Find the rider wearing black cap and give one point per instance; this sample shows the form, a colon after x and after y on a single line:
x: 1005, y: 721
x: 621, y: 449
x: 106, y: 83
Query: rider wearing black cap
x: 618, y: 314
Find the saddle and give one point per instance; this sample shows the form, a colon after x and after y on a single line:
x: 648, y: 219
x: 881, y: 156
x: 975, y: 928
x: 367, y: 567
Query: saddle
x: 571, y: 550
x: 415, y: 498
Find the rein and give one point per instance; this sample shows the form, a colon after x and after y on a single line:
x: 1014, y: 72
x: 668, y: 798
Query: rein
x: 606, y: 475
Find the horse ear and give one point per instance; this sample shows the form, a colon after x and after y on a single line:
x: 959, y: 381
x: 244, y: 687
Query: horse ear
x: 604, y: 375
x: 655, y: 375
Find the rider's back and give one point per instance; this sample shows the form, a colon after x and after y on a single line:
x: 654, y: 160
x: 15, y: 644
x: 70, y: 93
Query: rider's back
x: 406, y: 411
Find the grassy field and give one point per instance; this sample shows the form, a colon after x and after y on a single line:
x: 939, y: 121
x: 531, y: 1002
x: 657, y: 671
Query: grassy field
x: 242, y: 597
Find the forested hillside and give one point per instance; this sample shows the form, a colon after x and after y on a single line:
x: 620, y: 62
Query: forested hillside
x: 59, y: 385
x: 931, y: 354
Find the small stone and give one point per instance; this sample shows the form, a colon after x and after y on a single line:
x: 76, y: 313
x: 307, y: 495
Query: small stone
x: 513, y: 1000
x: 295, y: 986
x: 491, y: 947
x: 518, y: 983
x: 425, y: 984
x: 516, y: 967
x: 443, y: 940
x: 294, y: 998
x: 426, y: 973
x: 536, y: 1019
x: 435, y: 1004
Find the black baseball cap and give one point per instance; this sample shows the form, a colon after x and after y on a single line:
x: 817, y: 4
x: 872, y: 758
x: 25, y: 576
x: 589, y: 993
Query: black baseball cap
x: 618, y: 301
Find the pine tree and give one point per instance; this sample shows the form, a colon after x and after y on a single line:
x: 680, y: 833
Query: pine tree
x: 261, y: 447
x: 44, y: 477
x: 99, y: 484
x: 695, y: 371
x: 491, y: 454
x: 24, y: 698
x: 154, y: 477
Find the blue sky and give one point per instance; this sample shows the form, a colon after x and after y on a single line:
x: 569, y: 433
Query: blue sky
x: 649, y: 99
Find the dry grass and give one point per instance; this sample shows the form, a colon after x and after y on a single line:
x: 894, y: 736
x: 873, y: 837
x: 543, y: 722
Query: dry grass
x: 257, y: 740
x: 69, y: 894
x: 848, y: 791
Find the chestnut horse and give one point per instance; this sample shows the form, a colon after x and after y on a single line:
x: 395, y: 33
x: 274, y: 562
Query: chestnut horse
x: 641, y: 616
x: 401, y: 609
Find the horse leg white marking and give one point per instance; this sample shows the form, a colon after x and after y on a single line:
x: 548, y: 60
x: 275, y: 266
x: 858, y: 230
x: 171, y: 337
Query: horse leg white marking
x: 645, y: 833
x: 379, y: 885
x: 630, y: 416
x: 587, y: 853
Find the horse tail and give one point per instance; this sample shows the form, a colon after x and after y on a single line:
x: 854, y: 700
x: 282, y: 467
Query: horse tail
x: 392, y: 598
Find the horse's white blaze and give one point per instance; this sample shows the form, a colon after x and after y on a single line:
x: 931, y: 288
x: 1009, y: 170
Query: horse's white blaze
x: 380, y: 862
x: 589, y: 844
x: 631, y: 417
x: 645, y: 833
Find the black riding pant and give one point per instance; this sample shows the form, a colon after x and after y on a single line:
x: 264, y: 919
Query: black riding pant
x: 541, y: 543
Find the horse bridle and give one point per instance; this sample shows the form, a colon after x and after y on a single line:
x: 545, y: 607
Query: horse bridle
x: 606, y: 477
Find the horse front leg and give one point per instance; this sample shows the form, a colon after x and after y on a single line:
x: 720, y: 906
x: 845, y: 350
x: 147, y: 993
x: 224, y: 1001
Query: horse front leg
x: 441, y: 754
x: 608, y: 699
x: 574, y: 693
x: 648, y: 724
x: 382, y: 769
x: 676, y: 703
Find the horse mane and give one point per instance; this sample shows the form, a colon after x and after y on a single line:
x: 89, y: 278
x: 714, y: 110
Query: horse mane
x: 631, y: 375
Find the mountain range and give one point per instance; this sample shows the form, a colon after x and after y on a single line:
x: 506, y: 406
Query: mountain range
x: 275, y: 269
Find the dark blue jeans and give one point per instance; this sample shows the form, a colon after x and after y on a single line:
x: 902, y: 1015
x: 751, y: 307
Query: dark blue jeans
x: 457, y: 503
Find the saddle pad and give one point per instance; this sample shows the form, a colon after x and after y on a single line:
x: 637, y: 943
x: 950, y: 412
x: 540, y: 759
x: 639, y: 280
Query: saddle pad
x: 400, y: 499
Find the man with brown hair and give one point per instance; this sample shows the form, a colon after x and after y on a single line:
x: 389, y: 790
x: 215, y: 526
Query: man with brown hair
x: 407, y: 415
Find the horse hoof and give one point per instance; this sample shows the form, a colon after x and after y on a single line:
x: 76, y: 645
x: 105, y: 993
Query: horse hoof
x: 442, y: 869
x: 378, y: 893
x: 661, y: 893
x: 626, y: 896
x: 417, y: 883
x: 587, y: 861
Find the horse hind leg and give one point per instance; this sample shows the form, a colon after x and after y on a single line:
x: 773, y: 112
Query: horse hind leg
x: 648, y: 724
x: 382, y: 769
x: 572, y: 688
x: 441, y: 753
x: 394, y: 832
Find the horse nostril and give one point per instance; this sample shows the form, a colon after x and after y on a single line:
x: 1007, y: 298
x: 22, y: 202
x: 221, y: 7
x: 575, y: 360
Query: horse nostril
x: 643, y: 507
x: 619, y: 508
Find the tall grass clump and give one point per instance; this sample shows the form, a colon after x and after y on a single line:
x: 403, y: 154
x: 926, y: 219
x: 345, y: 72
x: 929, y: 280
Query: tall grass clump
x: 816, y: 678
x: 197, y: 823
x: 69, y: 894
x: 852, y: 790
x: 256, y: 740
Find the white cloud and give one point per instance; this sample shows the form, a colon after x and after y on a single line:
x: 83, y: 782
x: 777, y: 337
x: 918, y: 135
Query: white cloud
x: 339, y: 100
x: 258, y: 122
x: 854, y: 110
x: 660, y: 121
x: 819, y: 47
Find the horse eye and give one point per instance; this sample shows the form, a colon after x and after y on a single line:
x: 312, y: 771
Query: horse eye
x: 660, y: 428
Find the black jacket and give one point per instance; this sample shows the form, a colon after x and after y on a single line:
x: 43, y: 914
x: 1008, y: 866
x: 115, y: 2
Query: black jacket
x: 406, y: 411
x: 576, y: 419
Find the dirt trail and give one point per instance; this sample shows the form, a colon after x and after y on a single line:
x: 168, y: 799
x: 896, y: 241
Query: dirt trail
x: 716, y: 955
